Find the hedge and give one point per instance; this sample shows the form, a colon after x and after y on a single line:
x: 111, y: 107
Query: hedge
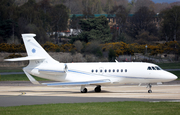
x: 120, y: 48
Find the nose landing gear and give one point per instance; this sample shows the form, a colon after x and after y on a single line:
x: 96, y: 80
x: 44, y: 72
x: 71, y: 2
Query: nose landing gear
x: 149, y: 86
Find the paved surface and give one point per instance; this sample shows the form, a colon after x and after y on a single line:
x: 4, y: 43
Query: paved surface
x: 24, y: 93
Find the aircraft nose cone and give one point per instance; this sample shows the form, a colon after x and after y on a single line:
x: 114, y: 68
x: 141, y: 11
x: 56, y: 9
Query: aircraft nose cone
x: 169, y: 76
x: 172, y: 77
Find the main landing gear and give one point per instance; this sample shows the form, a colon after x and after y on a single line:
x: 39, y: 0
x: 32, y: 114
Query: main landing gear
x: 96, y: 89
x: 83, y: 89
x: 149, y: 86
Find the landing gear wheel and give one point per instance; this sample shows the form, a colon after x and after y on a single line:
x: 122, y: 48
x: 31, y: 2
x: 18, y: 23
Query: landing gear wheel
x: 84, y: 90
x: 98, y: 89
x: 149, y: 86
x: 149, y: 91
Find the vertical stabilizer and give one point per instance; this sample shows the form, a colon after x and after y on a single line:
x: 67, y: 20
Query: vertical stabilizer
x: 34, y: 49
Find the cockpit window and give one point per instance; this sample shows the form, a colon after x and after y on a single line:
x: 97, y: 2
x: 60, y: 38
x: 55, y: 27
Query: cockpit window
x: 153, y: 68
x: 149, y: 68
x: 158, y: 68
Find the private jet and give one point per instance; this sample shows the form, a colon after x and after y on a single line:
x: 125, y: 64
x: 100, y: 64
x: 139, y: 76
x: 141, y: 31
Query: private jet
x: 42, y: 65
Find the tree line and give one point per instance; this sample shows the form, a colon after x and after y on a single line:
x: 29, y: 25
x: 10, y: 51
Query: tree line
x: 46, y: 16
x: 143, y: 27
x: 31, y: 17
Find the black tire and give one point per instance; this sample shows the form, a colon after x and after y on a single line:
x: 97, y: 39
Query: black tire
x: 97, y: 89
x: 84, y: 90
x: 149, y: 91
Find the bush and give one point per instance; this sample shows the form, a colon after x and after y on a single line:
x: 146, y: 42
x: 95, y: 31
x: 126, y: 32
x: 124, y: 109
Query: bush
x: 13, y: 56
x: 78, y: 45
x: 49, y: 46
x: 111, y: 55
x: 120, y: 48
x: 94, y: 48
x: 12, y: 48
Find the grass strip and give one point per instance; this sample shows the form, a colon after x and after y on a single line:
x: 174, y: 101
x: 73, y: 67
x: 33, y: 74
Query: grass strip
x: 97, y: 108
x: 10, y: 70
x: 169, y: 65
x: 19, y: 77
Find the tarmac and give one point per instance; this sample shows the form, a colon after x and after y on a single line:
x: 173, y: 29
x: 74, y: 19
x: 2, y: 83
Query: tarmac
x: 17, y: 93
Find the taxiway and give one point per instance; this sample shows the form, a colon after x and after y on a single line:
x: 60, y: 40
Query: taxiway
x: 17, y: 93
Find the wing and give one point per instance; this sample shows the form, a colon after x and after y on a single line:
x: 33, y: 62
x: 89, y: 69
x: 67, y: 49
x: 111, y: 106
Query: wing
x: 103, y: 81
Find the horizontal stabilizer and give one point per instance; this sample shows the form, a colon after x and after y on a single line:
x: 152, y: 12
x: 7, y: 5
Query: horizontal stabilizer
x: 25, y: 58
x: 78, y: 83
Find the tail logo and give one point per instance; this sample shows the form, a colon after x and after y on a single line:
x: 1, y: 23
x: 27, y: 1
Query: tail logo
x: 33, y: 50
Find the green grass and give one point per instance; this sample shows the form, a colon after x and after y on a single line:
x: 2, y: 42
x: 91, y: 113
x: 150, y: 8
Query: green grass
x: 104, y: 108
x: 10, y: 69
x: 169, y: 65
x: 18, y: 77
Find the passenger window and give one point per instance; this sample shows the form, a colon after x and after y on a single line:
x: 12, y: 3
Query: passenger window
x: 101, y: 70
x: 109, y: 70
x: 125, y: 70
x: 113, y: 70
x: 149, y: 68
x: 121, y: 70
x: 117, y: 70
x: 92, y: 71
x: 153, y: 68
x: 105, y: 70
x: 96, y: 71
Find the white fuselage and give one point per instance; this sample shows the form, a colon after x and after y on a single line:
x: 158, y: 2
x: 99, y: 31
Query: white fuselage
x: 121, y: 72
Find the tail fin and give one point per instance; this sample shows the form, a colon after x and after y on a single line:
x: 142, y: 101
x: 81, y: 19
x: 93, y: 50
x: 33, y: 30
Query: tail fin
x: 34, y: 50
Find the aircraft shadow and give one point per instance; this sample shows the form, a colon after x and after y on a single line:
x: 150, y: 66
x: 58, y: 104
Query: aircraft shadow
x: 78, y: 92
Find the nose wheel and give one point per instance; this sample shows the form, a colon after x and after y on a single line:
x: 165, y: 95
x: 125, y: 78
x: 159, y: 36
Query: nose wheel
x: 149, y: 91
x: 149, y: 86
